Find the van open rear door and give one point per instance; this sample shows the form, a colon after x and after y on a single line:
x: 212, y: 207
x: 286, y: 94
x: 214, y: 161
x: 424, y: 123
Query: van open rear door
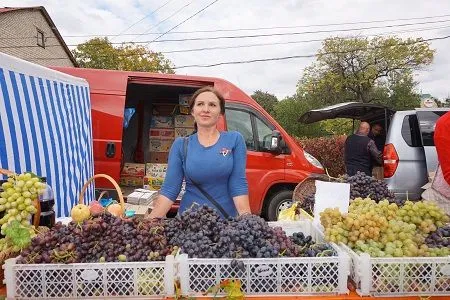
x: 348, y: 110
x: 427, y: 118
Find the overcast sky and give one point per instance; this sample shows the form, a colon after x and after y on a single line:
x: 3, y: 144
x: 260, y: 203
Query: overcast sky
x: 405, y: 18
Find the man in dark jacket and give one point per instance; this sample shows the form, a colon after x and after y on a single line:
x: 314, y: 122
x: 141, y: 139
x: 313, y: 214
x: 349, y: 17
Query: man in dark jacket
x: 361, y: 152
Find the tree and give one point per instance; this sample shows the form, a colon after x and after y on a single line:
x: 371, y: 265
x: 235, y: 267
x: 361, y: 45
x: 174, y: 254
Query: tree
x: 364, y: 70
x: 266, y: 100
x: 287, y: 112
x: 99, y: 53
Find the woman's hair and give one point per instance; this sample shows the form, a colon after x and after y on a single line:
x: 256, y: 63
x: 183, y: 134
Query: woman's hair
x: 208, y: 89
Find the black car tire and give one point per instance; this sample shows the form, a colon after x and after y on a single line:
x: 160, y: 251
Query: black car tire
x: 277, y: 201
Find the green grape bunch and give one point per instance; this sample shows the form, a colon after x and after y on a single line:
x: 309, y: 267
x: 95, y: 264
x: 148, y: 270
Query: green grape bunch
x: 16, y: 200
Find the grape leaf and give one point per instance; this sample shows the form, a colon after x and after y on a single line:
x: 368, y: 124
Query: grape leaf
x: 19, y: 235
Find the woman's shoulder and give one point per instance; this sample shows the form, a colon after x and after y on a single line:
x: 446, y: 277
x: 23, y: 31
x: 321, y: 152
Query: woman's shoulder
x: 232, y: 134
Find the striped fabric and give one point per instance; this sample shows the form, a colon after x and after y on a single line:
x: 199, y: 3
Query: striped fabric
x: 45, y: 128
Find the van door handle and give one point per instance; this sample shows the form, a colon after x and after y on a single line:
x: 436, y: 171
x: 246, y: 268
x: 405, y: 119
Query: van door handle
x: 110, y: 149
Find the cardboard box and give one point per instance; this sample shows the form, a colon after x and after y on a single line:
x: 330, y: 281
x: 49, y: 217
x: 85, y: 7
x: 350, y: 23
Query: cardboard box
x: 161, y: 122
x: 134, y: 197
x: 160, y: 145
x: 153, y: 183
x: 183, y: 99
x: 141, y: 197
x: 184, y: 121
x: 184, y: 110
x: 132, y: 169
x: 155, y: 170
x: 131, y: 180
x: 183, y: 131
x: 140, y: 210
x: 162, y: 133
x: 159, y: 157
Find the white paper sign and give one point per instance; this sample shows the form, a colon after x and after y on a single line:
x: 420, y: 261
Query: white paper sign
x: 331, y: 195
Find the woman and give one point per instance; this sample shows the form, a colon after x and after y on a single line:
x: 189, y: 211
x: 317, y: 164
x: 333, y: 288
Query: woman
x: 212, y: 163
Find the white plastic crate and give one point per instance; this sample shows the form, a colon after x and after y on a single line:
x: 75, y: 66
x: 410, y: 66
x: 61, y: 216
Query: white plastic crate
x: 270, y: 276
x: 399, y: 276
x: 90, y: 280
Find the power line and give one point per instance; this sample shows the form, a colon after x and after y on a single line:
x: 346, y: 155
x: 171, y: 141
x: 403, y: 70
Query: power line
x: 248, y: 29
x: 176, y: 12
x: 267, y: 44
x: 292, y: 42
x: 256, y: 35
x: 182, y: 22
x: 142, y: 19
x: 304, y: 56
x: 296, y: 56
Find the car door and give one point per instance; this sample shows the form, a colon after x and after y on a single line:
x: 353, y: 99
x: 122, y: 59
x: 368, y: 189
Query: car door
x: 263, y: 167
x: 427, y: 121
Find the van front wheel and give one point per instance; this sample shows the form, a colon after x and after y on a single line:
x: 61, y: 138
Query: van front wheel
x: 278, y: 202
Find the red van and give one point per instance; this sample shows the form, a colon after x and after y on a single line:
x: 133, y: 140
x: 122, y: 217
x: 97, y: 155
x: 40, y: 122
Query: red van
x: 275, y: 162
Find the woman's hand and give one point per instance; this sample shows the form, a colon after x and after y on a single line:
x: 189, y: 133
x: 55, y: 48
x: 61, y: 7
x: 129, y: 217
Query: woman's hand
x: 161, y: 206
x: 242, y: 204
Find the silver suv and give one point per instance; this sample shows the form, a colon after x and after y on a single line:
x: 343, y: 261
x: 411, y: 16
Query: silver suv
x: 409, y: 151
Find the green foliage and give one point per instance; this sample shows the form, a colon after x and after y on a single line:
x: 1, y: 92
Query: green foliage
x: 19, y: 235
x: 99, y: 53
x: 377, y: 70
x: 337, y: 126
x: 266, y: 100
x: 287, y: 113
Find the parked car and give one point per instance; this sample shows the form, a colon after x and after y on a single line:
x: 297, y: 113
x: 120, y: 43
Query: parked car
x: 275, y: 162
x: 409, y: 153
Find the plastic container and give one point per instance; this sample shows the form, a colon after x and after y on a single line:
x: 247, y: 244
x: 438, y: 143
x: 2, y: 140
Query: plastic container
x: 47, y: 202
x: 135, y: 280
x: 399, y: 276
x: 270, y: 276
x: 47, y: 198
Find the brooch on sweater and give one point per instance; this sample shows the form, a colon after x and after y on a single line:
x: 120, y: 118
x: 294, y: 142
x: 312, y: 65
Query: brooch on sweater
x: 225, y: 151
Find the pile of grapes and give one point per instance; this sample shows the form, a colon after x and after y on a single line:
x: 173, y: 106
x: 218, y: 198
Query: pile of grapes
x: 361, y: 186
x: 198, y: 232
x: 364, y: 186
x: 16, y: 200
x: 16, y: 209
x: 104, y: 238
x: 384, y: 229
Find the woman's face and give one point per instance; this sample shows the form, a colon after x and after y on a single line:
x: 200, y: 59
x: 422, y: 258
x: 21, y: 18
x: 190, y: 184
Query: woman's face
x: 206, y: 110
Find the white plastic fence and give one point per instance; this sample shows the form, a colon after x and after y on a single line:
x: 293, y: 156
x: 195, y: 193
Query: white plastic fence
x: 90, y: 280
x: 270, y: 276
x: 400, y: 276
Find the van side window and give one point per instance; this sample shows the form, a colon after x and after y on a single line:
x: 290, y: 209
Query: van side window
x: 241, y: 121
x: 264, y: 135
x: 427, y: 122
x: 410, y: 131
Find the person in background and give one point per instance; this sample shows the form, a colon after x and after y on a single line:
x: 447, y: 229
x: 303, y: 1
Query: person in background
x: 442, y: 142
x: 361, y: 152
x: 212, y: 163
x: 377, y: 135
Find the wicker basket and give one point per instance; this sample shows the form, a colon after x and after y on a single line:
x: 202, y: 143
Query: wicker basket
x: 110, y: 179
x: 308, y: 186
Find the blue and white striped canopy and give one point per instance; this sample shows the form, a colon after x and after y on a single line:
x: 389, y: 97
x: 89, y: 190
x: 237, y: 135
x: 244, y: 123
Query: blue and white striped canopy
x: 46, y: 128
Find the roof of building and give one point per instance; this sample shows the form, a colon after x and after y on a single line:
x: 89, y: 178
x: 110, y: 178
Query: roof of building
x: 50, y: 22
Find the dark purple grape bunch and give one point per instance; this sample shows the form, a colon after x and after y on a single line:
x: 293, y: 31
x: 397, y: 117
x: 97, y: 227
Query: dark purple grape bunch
x: 364, y: 186
x: 439, y: 238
